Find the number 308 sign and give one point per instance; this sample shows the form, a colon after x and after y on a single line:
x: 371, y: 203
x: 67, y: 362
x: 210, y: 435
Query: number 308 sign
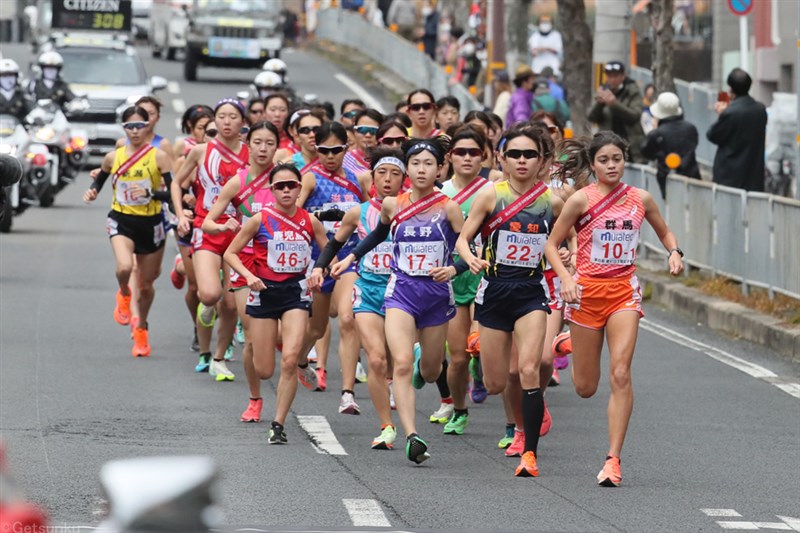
x: 95, y: 15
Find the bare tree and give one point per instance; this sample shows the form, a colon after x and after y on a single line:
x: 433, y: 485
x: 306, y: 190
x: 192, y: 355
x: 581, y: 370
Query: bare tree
x: 661, y: 16
x: 517, y: 31
x: 578, y: 44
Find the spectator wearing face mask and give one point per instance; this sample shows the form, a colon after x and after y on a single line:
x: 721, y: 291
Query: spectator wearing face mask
x: 546, y: 47
x: 468, y: 66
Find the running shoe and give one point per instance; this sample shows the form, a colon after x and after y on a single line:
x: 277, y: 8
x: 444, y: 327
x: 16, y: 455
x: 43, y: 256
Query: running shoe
x: 562, y: 347
x: 134, y: 324
x: 312, y: 355
x: 478, y: 391
x: 361, y: 374
x: 195, y: 346
x: 527, y: 465
x: 518, y: 444
x: 322, y: 380
x: 442, y: 414
x: 555, y: 379
x: 348, y: 405
x: 547, y: 421
x: 475, y: 369
x: 307, y: 377
x: 141, y: 344
x: 416, y: 379
x: 474, y: 343
x: 203, y: 363
x: 122, y: 311
x: 253, y: 411
x: 206, y: 315
x: 176, y: 277
x: 277, y: 434
x: 392, y: 403
x: 229, y: 353
x: 386, y: 439
x: 219, y: 371
x: 457, y: 424
x: 417, y: 449
x: 611, y: 474
x: 238, y: 335
x: 507, y: 439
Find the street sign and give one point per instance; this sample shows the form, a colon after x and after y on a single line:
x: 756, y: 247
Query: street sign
x: 740, y: 7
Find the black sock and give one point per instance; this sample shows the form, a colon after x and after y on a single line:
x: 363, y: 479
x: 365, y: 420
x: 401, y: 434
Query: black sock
x: 254, y: 399
x: 275, y: 425
x: 348, y: 390
x: 510, y: 425
x: 441, y: 382
x: 532, y: 415
x: 411, y: 436
x: 303, y: 366
x: 461, y: 411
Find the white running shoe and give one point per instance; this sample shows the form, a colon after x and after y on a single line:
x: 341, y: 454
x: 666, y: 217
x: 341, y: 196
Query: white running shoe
x: 348, y: 405
x: 307, y: 377
x: 361, y: 374
x: 442, y: 414
x: 219, y: 371
x: 312, y: 355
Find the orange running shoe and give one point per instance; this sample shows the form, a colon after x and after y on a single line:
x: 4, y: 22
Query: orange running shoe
x: 518, y: 445
x: 474, y: 343
x: 141, y: 344
x: 547, y: 421
x: 176, y: 277
x: 562, y: 347
x: 527, y: 466
x: 122, y: 311
x: 253, y: 411
x: 322, y: 380
x: 611, y: 474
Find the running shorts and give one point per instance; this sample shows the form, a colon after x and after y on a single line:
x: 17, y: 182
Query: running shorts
x: 217, y: 243
x: 146, y: 232
x: 500, y: 303
x: 465, y: 287
x: 239, y: 282
x: 277, y: 298
x: 430, y: 303
x: 368, y: 297
x: 599, y: 298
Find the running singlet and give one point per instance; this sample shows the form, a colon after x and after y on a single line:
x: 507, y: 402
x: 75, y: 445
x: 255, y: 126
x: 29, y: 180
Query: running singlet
x: 144, y: 173
x: 515, y: 249
x: 423, y: 241
x: 376, y: 265
x: 329, y: 195
x: 188, y: 144
x: 156, y: 142
x: 607, y: 245
x: 255, y: 201
x: 282, y: 245
x: 212, y: 175
x: 355, y: 162
x: 287, y: 144
x: 465, y: 200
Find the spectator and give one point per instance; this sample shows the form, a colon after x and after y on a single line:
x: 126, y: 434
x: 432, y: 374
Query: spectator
x: 648, y: 98
x: 618, y: 107
x: 469, y: 64
x: 673, y: 135
x: 555, y: 89
x: 740, y: 135
x: 383, y: 6
x: 404, y: 15
x: 502, y: 91
x: 520, y: 107
x: 546, y: 46
x: 430, y: 20
x: 544, y: 101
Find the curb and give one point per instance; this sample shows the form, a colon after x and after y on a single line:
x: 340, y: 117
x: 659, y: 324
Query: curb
x: 721, y: 315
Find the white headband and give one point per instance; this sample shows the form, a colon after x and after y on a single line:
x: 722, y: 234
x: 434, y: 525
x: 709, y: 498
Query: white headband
x: 389, y: 160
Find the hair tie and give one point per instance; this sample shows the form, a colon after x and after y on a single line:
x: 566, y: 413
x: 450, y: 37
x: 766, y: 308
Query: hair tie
x: 390, y: 160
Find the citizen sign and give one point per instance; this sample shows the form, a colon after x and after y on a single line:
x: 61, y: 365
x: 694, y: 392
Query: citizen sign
x: 110, y: 6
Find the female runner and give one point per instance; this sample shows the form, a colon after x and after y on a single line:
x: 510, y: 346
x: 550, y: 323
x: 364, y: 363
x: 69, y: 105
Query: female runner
x: 422, y: 110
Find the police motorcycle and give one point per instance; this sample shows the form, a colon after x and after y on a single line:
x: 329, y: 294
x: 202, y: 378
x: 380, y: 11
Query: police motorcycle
x: 14, y: 144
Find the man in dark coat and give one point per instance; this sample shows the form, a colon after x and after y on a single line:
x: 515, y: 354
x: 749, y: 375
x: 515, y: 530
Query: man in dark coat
x: 672, y: 136
x: 739, y: 133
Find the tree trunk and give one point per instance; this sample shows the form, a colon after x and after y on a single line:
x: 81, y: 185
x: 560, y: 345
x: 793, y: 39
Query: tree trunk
x: 578, y: 44
x: 517, y: 33
x: 663, y: 47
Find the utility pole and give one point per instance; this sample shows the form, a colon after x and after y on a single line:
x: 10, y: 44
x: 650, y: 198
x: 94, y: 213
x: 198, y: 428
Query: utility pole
x: 497, y: 47
x: 797, y: 91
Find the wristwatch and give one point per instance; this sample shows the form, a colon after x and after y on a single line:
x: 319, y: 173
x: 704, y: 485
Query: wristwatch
x: 680, y: 252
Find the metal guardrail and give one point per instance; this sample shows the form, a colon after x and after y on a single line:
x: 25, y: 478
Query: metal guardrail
x: 698, y: 102
x: 750, y: 237
x: 392, y: 52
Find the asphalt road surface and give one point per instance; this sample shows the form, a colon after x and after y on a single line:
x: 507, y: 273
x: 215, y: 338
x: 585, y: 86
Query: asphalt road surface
x: 711, y: 445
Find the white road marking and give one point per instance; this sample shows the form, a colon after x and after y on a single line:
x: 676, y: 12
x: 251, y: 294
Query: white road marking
x: 720, y: 512
x: 360, y: 92
x: 322, y: 437
x: 794, y: 523
x: 751, y: 369
x: 173, y: 87
x: 178, y: 105
x: 754, y: 525
x: 366, y: 513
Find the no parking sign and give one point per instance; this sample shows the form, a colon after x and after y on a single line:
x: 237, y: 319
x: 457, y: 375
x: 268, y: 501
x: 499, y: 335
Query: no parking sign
x: 740, y: 7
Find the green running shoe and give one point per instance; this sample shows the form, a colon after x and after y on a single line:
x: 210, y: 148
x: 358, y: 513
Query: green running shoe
x: 416, y: 379
x: 506, y: 441
x: 417, y: 449
x: 206, y: 315
x: 457, y: 424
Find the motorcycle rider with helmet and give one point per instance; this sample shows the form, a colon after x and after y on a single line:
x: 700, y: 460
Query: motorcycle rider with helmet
x: 267, y: 83
x: 13, y: 100
x: 50, y: 86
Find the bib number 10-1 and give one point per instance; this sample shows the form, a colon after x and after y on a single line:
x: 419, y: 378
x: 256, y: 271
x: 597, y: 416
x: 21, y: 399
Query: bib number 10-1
x: 614, y: 247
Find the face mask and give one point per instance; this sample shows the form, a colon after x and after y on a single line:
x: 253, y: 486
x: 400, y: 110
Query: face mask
x: 545, y: 27
x: 468, y: 50
x: 445, y: 28
x: 50, y: 73
x: 8, y: 83
x: 427, y: 10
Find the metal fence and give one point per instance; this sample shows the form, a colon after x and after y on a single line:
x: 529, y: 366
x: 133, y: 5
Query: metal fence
x: 746, y: 236
x: 698, y: 102
x: 392, y: 52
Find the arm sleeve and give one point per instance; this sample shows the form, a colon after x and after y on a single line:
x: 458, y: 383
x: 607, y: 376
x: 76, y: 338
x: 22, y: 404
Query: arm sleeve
x: 328, y: 253
x: 99, y: 181
x: 330, y: 215
x: 377, y: 236
x: 461, y: 266
x: 164, y: 196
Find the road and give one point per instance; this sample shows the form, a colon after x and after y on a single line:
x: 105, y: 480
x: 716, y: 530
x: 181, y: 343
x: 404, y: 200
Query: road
x: 708, y: 443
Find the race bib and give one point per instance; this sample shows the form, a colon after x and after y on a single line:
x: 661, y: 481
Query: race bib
x: 254, y: 299
x: 111, y: 227
x: 305, y: 292
x: 333, y: 227
x: 158, y: 234
x: 418, y: 258
x: 379, y: 260
x: 614, y: 247
x: 210, y: 198
x: 288, y: 256
x: 124, y: 192
x: 197, y: 238
x: 523, y: 250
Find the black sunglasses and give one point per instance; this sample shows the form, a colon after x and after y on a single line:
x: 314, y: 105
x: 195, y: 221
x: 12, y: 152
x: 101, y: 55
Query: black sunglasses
x: 427, y: 106
x: 352, y: 114
x: 305, y: 130
x: 527, y: 154
x: 245, y: 130
x: 472, y: 152
x: 391, y: 141
x: 283, y: 185
x: 211, y: 133
x: 331, y: 150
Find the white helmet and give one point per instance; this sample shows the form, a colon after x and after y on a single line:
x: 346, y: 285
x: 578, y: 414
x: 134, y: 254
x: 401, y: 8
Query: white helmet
x: 276, y: 65
x: 51, y: 59
x: 268, y: 80
x: 8, y: 66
